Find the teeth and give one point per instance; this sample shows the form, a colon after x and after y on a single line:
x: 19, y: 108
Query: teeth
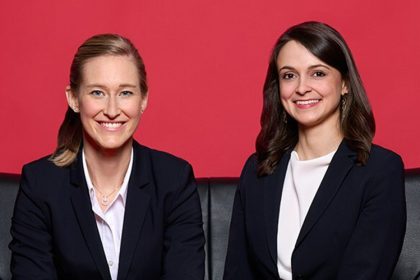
x: 307, y: 102
x: 111, y: 125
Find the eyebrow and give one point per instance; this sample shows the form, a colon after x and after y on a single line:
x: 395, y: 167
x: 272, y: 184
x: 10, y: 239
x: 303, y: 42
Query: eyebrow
x: 286, y: 67
x: 120, y: 86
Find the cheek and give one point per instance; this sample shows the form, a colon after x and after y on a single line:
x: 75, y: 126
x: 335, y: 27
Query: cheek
x: 135, y: 115
x: 286, y: 90
x: 331, y: 87
x: 132, y: 109
x: 89, y: 109
x: 88, y: 123
x: 333, y: 93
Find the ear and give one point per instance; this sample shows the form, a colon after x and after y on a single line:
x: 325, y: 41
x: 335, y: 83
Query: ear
x: 143, y: 102
x: 344, y: 88
x: 72, y: 100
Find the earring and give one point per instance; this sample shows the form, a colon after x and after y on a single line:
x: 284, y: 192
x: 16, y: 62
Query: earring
x: 75, y: 109
x: 343, y: 106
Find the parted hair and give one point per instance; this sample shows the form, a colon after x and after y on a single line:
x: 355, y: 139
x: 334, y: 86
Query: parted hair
x: 279, y: 132
x: 70, y: 133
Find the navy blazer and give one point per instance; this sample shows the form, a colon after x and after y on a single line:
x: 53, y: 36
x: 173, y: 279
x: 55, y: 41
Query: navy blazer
x: 55, y: 234
x: 354, y: 228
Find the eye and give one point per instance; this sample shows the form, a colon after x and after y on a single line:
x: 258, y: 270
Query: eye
x: 126, y: 93
x: 319, y: 74
x: 287, y: 76
x: 97, y: 93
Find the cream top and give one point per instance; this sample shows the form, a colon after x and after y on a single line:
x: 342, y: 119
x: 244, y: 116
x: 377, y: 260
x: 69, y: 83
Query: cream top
x: 301, y: 183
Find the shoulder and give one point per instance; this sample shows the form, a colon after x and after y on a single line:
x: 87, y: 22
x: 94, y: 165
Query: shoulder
x: 42, y: 167
x: 169, y: 174
x: 43, y: 178
x: 384, y: 158
x: 381, y: 164
x: 250, y: 166
x: 161, y: 159
x: 249, y: 178
x: 383, y: 173
x: 165, y: 168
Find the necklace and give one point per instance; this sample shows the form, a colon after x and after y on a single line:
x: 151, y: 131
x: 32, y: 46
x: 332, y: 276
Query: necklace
x: 104, y: 198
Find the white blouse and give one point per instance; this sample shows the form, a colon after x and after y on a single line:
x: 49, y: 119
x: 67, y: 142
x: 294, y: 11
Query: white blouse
x: 110, y: 222
x: 301, y: 183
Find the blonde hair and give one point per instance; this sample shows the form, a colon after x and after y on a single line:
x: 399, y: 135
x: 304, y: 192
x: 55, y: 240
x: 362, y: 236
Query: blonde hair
x: 71, y: 132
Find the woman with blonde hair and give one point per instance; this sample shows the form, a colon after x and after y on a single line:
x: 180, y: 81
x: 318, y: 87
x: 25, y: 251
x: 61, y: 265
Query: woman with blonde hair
x: 103, y: 206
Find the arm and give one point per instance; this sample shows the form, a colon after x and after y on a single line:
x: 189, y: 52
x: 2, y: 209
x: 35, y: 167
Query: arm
x: 376, y: 242
x: 237, y: 264
x: 184, y: 236
x: 31, y: 246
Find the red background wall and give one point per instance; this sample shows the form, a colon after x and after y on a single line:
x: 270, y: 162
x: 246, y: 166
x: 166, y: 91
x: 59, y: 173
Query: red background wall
x: 206, y: 62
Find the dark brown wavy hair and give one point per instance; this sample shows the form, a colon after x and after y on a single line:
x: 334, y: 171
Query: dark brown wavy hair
x: 357, y: 122
x: 71, y: 132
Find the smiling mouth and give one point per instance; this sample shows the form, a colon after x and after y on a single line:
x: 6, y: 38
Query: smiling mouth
x: 111, y: 124
x: 307, y: 102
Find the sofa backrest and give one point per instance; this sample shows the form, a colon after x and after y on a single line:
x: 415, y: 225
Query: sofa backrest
x: 216, y: 195
x: 9, y: 184
x: 408, y: 266
x: 219, y: 200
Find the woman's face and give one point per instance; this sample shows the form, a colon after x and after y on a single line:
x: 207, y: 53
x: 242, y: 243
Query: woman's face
x: 109, y: 101
x: 310, y: 90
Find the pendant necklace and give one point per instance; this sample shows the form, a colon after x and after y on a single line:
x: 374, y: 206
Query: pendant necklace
x: 104, y: 200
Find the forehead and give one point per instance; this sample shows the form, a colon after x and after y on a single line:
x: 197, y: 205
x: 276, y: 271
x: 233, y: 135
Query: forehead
x: 109, y: 69
x: 294, y: 54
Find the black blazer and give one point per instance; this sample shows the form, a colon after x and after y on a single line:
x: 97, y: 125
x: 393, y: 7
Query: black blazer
x: 354, y: 228
x: 55, y: 234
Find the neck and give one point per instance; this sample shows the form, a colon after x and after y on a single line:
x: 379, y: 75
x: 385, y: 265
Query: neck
x: 319, y: 140
x: 107, y: 168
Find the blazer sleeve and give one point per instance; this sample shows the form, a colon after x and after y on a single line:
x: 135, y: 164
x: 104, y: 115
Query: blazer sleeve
x: 31, y: 243
x: 184, y: 236
x: 237, y: 265
x: 377, y: 239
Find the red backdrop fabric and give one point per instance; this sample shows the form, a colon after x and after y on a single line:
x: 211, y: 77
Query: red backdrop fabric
x: 206, y: 63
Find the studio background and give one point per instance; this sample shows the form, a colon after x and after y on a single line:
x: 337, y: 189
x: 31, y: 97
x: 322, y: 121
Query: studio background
x: 206, y: 63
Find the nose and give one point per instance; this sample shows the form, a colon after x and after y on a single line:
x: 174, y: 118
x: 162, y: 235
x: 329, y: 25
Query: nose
x: 112, y: 109
x: 303, y: 87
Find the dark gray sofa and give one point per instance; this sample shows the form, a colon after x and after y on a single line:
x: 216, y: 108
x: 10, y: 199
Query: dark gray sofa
x: 216, y: 196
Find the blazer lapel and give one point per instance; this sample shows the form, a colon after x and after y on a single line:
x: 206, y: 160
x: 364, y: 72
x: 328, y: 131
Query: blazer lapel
x: 340, y: 165
x: 86, y: 218
x: 136, y: 207
x: 273, y: 186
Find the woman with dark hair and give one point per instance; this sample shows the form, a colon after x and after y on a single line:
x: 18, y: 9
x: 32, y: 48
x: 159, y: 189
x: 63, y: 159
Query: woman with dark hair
x: 317, y: 200
x: 103, y: 206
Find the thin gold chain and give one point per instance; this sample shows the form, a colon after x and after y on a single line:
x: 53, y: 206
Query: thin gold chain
x: 104, y: 200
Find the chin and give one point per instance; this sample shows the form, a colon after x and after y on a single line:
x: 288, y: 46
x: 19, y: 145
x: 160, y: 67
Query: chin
x: 307, y: 122
x: 109, y: 144
x: 114, y: 145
